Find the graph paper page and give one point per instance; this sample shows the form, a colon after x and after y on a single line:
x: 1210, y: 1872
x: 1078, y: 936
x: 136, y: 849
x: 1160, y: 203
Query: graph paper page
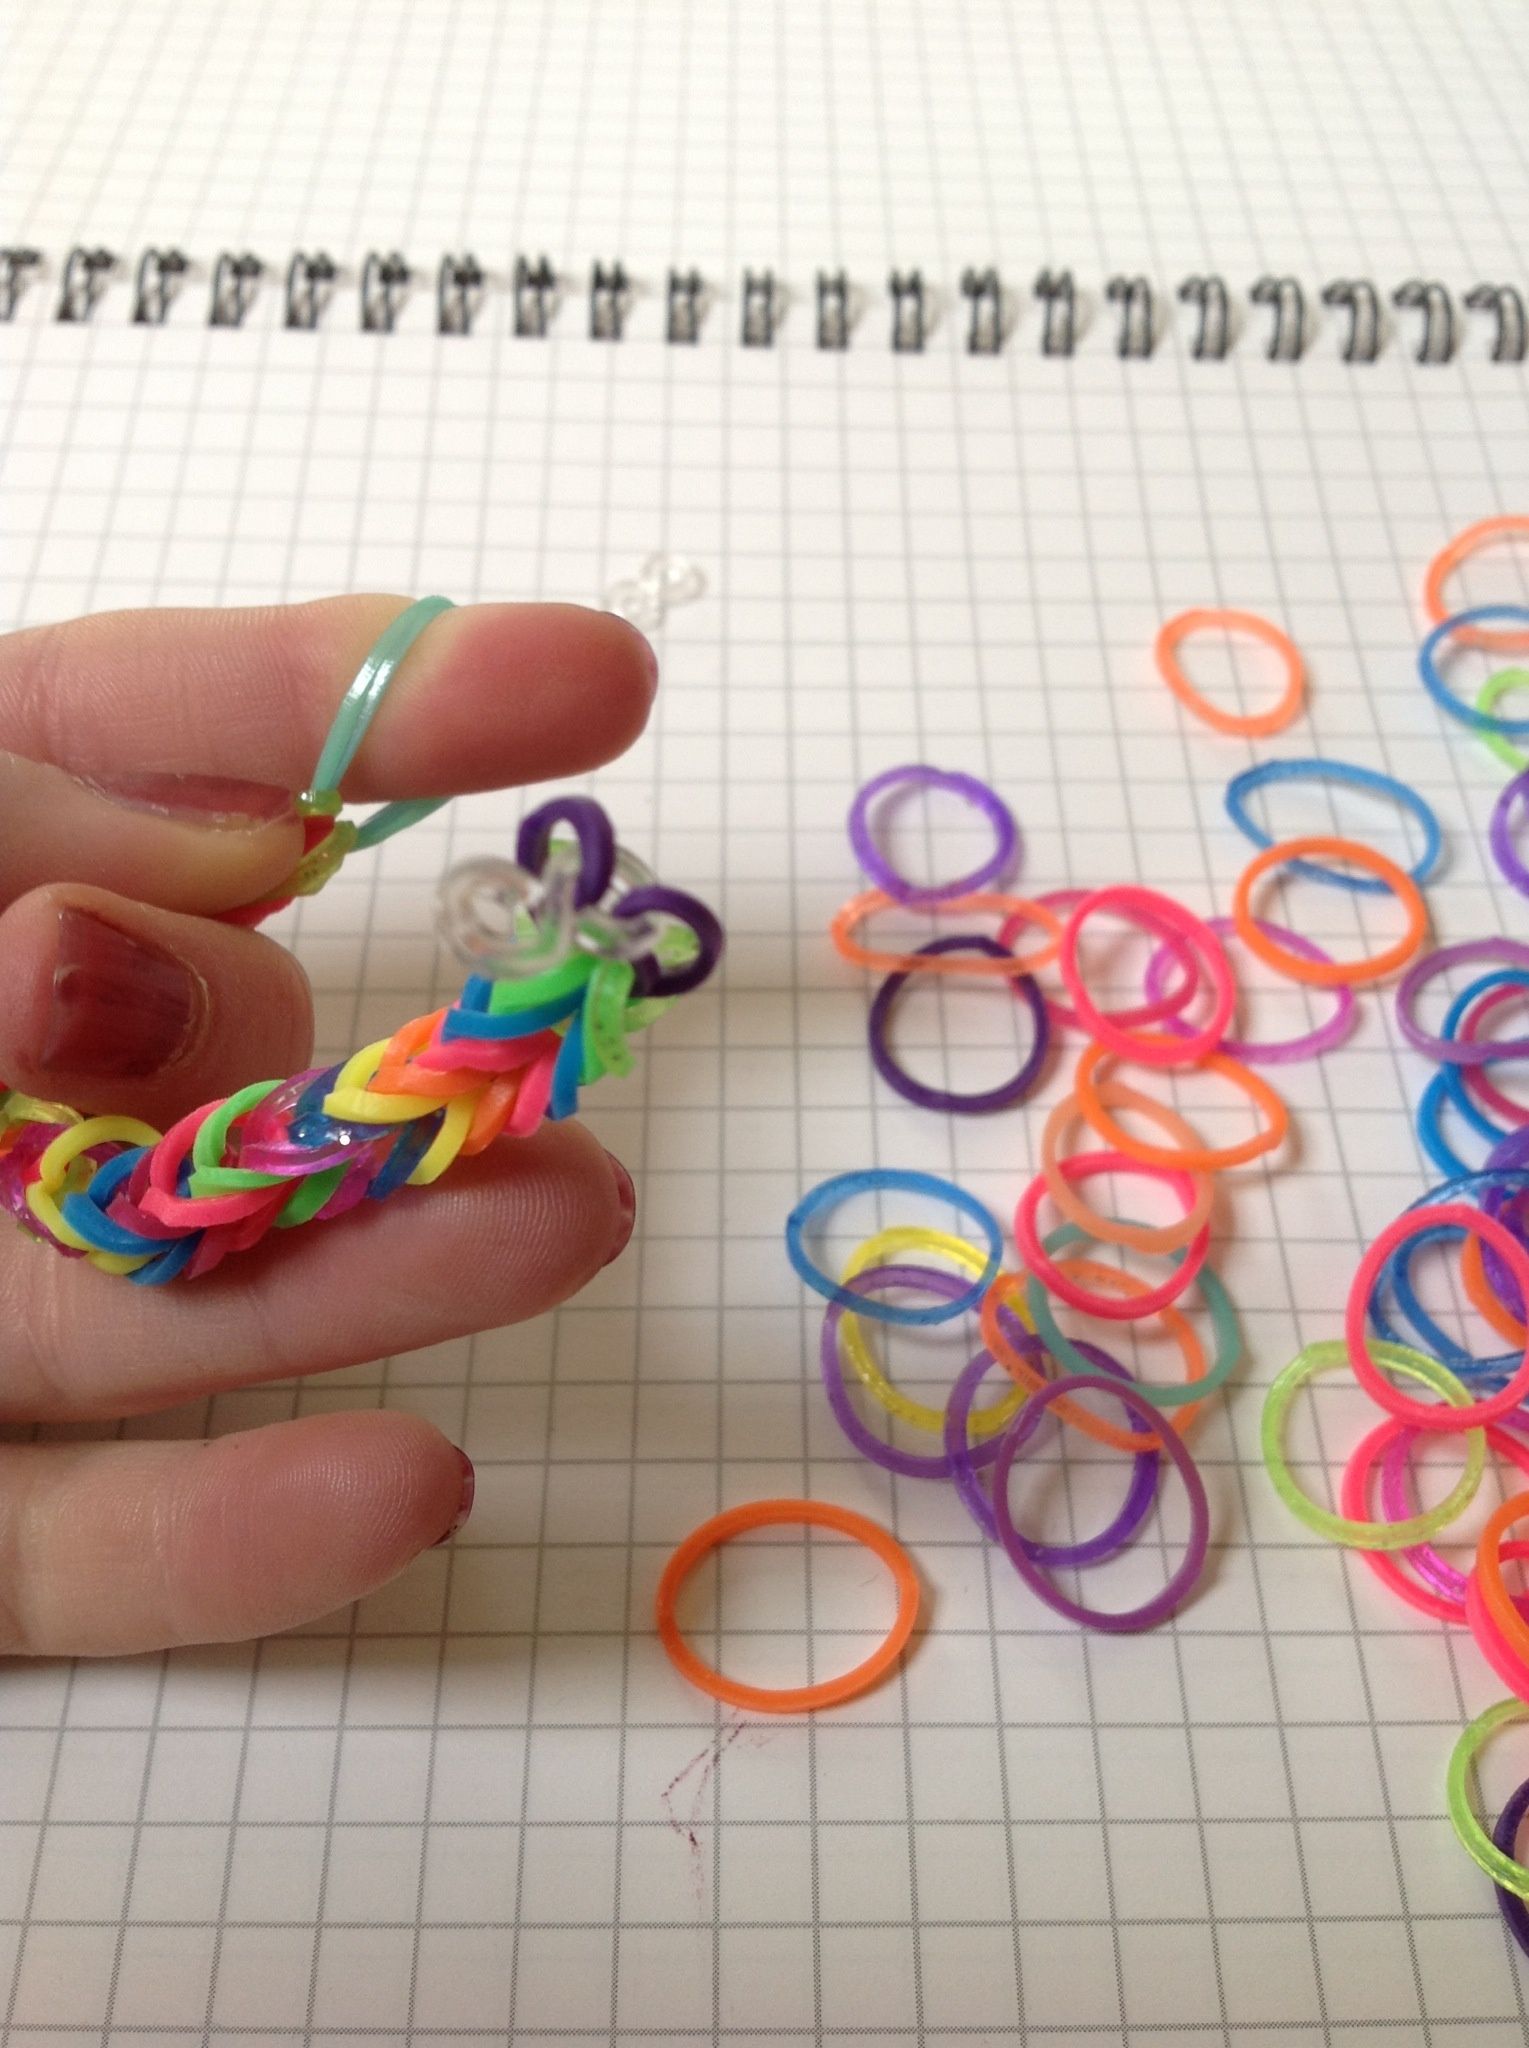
x: 481, y: 1805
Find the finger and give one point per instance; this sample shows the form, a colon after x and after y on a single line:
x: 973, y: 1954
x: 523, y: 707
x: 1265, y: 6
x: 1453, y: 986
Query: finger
x: 504, y: 1236
x: 490, y: 694
x: 185, y: 842
x: 115, y: 1007
x: 107, y: 1549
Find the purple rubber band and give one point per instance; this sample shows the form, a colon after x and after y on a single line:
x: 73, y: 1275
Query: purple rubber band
x: 907, y: 1464
x: 1014, y: 1439
x: 1504, y: 852
x: 1395, y: 1505
x: 1514, y: 1912
x: 971, y: 791
x: 593, y: 830
x: 1145, y: 1467
x: 657, y: 900
x: 1007, y: 1093
x: 1458, y: 1052
x: 1282, y: 1051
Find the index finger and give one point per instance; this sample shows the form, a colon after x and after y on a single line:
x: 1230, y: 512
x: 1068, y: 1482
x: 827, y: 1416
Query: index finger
x: 490, y: 695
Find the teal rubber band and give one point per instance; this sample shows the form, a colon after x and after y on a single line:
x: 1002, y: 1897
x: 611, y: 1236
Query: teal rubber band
x: 1222, y: 1315
x: 362, y: 700
x: 397, y: 817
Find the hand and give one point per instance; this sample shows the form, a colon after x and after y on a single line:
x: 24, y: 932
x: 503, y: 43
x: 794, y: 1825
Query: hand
x: 147, y: 780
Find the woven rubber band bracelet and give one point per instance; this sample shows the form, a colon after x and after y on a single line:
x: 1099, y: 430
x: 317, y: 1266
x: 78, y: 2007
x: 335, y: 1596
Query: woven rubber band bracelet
x: 575, y: 948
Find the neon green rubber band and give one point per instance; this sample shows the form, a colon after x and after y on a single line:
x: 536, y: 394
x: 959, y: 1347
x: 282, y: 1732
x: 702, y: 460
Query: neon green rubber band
x: 1329, y: 1356
x: 208, y: 1175
x: 1474, y: 1839
x: 1497, y: 743
x: 309, y: 1196
x: 1222, y: 1315
x: 605, y: 1008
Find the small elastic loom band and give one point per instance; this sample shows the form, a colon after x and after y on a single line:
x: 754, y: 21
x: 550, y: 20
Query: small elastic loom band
x: 1164, y: 917
x: 1084, y: 1166
x: 1008, y: 1290
x: 916, y: 776
x: 1469, y: 1012
x: 1327, y: 1356
x: 1505, y: 1840
x: 910, y: 1464
x: 591, y: 829
x: 1474, y: 1839
x: 1168, y: 1004
x: 1454, y: 629
x: 1498, y: 1600
x: 1145, y: 1467
x: 1279, y: 1052
x: 1143, y: 1237
x: 1335, y: 973
x: 848, y: 915
x: 1074, y: 1357
x: 891, y: 1245
x: 891, y: 1180
x: 1492, y: 691
x: 1162, y: 1604
x: 1248, y: 725
x: 1442, y: 1595
x: 1500, y: 834
x: 774, y: 1514
x: 1196, y: 1158
x: 1430, y: 1128
x: 1449, y: 558
x: 1426, y: 1332
x: 1489, y: 1638
x: 1242, y: 786
x: 1420, y: 1414
x: 1447, y: 1050
x: 1007, y: 1093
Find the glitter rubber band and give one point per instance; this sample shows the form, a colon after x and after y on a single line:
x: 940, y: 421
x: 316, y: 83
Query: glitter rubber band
x: 1446, y: 1050
x: 1474, y: 1839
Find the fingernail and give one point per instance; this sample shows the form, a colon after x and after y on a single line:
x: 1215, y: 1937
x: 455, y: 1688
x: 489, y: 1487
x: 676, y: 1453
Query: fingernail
x: 465, y: 1504
x: 120, y: 1007
x: 626, y: 1203
x: 221, y: 801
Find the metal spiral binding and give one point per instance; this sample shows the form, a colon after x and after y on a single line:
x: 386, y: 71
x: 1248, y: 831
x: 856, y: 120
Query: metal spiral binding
x: 1133, y: 295
x: 682, y: 319
x: 310, y: 284
x: 14, y: 267
x: 84, y: 280
x: 757, y: 328
x: 908, y: 328
x: 383, y: 282
x: 1437, y: 342
x: 1059, y: 332
x: 984, y: 296
x: 233, y: 288
x: 534, y: 286
x: 458, y: 293
x: 1358, y: 296
x: 1511, y: 342
x: 610, y: 292
x: 833, y: 309
x: 155, y: 284
x: 1213, y: 331
x: 1287, y: 337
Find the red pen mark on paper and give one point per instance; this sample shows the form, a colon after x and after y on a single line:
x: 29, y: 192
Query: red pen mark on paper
x: 684, y: 1808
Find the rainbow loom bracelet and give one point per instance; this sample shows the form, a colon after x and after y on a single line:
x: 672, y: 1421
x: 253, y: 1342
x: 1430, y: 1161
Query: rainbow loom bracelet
x: 574, y: 947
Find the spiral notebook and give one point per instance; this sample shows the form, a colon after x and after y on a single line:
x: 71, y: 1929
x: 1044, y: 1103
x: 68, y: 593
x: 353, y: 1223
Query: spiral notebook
x: 951, y: 349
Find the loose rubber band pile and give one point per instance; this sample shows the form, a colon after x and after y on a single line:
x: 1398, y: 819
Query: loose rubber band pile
x: 1387, y: 1331
x: 576, y: 948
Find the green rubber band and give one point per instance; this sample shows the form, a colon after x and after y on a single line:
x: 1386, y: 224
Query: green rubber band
x: 1222, y: 1315
x: 1329, y: 1356
x: 605, y: 1012
x: 361, y: 701
x: 1497, y: 743
x: 209, y: 1176
x: 309, y: 1196
x: 1474, y: 1839
x: 566, y: 979
x: 393, y: 818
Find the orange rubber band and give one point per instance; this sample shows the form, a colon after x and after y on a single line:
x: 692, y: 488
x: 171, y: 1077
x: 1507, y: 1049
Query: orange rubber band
x: 1144, y: 1237
x: 1329, y: 973
x: 872, y: 900
x: 1251, y: 725
x: 771, y: 1514
x: 1494, y: 1588
x: 1007, y: 1291
x: 1478, y: 1289
x: 1502, y: 640
x: 1194, y: 1158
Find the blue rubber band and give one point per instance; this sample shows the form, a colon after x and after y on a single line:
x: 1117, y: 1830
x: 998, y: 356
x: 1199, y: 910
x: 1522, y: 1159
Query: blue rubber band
x: 1425, y: 1332
x: 869, y: 1180
x: 1430, y: 1129
x: 1454, y: 1074
x: 1438, y: 689
x: 1242, y: 786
